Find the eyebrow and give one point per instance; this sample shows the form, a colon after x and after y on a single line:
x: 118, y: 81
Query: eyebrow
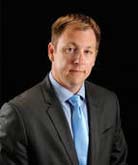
x: 74, y: 44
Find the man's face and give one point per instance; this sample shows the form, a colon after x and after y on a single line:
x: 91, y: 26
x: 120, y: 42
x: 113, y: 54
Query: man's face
x: 74, y: 57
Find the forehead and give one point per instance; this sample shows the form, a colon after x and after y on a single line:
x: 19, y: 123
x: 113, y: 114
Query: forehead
x: 79, y: 36
x: 77, y: 27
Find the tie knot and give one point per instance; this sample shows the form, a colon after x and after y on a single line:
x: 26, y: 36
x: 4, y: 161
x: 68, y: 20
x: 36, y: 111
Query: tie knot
x: 74, y: 100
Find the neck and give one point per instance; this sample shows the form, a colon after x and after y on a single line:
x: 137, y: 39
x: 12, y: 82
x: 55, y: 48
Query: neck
x: 72, y: 87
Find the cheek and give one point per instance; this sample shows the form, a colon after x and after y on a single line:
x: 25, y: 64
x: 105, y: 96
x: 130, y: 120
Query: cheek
x: 91, y: 64
x: 61, y: 63
x: 89, y: 67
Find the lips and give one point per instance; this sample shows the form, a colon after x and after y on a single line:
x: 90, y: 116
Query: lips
x: 77, y: 71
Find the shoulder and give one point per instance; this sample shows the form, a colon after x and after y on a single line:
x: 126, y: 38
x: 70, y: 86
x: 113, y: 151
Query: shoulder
x: 32, y: 98
x: 29, y: 95
x: 28, y: 105
x: 98, y: 89
x: 105, y: 101
x: 35, y: 98
x: 100, y: 93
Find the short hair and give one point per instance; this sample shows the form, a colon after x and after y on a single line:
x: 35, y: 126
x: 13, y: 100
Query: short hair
x: 82, y: 21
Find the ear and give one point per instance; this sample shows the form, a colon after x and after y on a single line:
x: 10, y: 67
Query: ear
x: 51, y: 51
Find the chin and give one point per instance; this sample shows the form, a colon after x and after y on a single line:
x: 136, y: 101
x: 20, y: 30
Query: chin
x: 76, y: 83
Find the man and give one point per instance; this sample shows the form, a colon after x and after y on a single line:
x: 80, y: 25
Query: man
x: 37, y: 127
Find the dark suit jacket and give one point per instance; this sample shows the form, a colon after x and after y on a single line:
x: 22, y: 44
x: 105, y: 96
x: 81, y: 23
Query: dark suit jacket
x: 34, y: 130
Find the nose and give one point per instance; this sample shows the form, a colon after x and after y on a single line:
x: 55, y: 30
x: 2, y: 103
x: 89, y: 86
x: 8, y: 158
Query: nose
x: 79, y: 57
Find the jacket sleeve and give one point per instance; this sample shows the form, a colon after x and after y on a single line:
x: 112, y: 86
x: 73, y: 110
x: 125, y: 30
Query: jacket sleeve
x: 119, y: 149
x: 12, y: 137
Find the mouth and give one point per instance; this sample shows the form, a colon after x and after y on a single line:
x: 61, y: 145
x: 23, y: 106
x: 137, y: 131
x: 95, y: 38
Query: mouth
x: 77, y: 71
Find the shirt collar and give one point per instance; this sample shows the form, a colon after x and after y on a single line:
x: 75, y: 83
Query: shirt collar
x: 63, y: 93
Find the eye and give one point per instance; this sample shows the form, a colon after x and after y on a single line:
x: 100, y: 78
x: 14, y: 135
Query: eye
x: 70, y: 50
x: 88, y: 52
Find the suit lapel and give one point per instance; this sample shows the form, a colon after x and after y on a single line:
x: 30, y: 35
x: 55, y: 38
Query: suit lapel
x: 93, y: 115
x: 59, y: 121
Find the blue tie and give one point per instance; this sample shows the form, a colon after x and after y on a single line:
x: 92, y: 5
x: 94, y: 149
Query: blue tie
x: 80, y: 132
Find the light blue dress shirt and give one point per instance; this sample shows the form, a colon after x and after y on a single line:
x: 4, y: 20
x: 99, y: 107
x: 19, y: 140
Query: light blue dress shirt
x: 64, y: 94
